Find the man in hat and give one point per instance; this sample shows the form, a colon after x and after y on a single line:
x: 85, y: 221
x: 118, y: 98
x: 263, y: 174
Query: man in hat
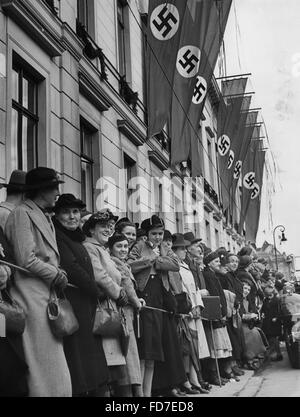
x: 14, y: 195
x: 194, y: 259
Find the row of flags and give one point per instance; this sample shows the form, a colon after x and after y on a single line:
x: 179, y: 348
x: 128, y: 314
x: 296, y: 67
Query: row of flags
x: 183, y: 42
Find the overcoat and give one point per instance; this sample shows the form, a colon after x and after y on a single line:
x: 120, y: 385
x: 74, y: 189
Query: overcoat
x: 32, y: 237
x: 13, y: 368
x: 271, y: 310
x: 83, y: 350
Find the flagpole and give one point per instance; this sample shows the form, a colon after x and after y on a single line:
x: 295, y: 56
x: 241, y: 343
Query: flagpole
x: 234, y: 76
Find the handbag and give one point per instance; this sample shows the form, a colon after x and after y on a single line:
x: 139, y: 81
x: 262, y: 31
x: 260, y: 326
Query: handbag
x: 184, y: 303
x: 124, y: 337
x: 62, y: 319
x: 14, y: 314
x: 107, y: 321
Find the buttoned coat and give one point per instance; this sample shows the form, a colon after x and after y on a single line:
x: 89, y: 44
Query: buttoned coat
x: 33, y: 241
x: 142, y: 259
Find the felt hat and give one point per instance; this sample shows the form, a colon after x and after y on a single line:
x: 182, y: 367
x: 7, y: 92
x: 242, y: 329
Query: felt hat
x: 16, y: 181
x: 179, y: 241
x: 42, y: 177
x: 99, y: 217
x: 191, y: 237
x: 245, y: 261
x: 152, y: 223
x: 168, y: 235
x: 140, y: 233
x: 209, y: 256
x: 115, y: 238
x: 68, y: 201
x: 109, y: 213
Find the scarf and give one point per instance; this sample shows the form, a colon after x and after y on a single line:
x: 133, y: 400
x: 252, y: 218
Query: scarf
x: 75, y: 235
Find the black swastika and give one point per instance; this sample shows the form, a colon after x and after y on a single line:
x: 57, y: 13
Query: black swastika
x: 199, y: 91
x: 250, y: 180
x: 237, y: 169
x: 223, y: 145
x: 230, y: 161
x: 255, y: 192
x: 164, y: 23
x: 189, y: 59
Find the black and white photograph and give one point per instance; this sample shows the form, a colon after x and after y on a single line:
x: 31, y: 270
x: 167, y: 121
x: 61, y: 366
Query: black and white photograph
x: 149, y: 179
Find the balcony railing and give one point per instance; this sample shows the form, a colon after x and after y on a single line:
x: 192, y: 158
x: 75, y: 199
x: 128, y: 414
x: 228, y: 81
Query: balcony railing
x: 108, y: 72
x: 211, y: 192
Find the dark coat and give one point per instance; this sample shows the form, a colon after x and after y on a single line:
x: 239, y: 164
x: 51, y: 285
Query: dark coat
x: 13, y: 368
x: 231, y: 283
x: 84, y: 352
x: 271, y: 310
x: 197, y: 273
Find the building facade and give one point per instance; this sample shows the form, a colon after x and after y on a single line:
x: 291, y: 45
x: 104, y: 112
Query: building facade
x: 72, y: 97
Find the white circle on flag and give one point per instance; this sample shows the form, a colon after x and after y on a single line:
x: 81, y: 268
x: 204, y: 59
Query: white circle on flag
x: 237, y: 170
x: 224, y: 145
x: 188, y: 61
x: 255, y: 191
x: 200, y: 90
x: 164, y: 21
x: 249, y: 180
x: 230, y: 159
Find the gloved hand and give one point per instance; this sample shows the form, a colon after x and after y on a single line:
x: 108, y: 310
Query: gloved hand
x: 123, y: 299
x: 4, y: 275
x: 61, y: 280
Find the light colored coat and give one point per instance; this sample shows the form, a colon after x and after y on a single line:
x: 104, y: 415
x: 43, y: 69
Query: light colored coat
x: 33, y: 241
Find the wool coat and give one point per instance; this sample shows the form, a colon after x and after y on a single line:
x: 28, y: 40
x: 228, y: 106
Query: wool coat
x: 271, y: 324
x: 33, y: 240
x: 83, y: 350
x: 132, y: 372
x: 13, y: 368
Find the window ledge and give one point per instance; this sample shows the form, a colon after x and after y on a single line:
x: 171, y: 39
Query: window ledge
x: 217, y: 215
x: 90, y: 89
x: 130, y: 132
x: 159, y: 160
x: 35, y: 24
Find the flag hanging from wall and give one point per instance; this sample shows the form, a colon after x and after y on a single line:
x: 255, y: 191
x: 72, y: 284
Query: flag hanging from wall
x: 200, y: 41
x: 253, y: 213
x: 165, y: 22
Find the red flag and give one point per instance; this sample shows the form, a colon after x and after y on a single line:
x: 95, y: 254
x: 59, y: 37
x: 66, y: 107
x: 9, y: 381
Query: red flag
x: 163, y: 36
x: 201, y: 39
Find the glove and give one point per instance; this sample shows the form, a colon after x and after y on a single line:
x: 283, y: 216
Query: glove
x: 4, y: 275
x: 61, y: 280
x: 123, y: 299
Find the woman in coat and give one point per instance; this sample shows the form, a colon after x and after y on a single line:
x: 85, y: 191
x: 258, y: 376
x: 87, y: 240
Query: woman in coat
x: 130, y: 384
x: 183, y: 282
x: 31, y: 233
x: 150, y: 264
x: 219, y: 331
x: 83, y: 350
x: 108, y: 278
x: 13, y: 368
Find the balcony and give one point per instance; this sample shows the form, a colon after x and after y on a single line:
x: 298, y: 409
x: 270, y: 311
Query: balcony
x: 109, y: 74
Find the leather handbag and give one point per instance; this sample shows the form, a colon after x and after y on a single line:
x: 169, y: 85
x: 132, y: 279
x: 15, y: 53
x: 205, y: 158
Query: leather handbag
x: 124, y: 336
x: 107, y: 321
x: 62, y: 319
x: 15, y: 318
x: 184, y: 303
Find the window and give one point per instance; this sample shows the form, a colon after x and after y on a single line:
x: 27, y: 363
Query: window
x: 217, y: 238
x: 130, y: 171
x: 24, y: 120
x: 207, y: 229
x: 87, y: 164
x: 158, y: 198
x: 210, y: 162
x: 85, y: 15
x: 121, y: 37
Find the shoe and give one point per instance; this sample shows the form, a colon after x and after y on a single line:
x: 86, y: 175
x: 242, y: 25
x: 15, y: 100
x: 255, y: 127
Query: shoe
x: 237, y: 371
x: 191, y: 391
x: 215, y: 381
x: 225, y: 380
x: 205, y: 385
x: 174, y: 393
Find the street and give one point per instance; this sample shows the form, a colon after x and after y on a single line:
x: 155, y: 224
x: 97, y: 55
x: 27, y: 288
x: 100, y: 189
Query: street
x: 276, y: 379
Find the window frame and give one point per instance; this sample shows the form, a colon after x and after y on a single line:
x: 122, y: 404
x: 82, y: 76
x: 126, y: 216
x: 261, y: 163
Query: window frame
x: 86, y: 127
x: 22, y: 111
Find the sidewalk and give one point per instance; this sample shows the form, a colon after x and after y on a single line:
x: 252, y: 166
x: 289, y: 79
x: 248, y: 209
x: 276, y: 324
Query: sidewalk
x: 231, y: 389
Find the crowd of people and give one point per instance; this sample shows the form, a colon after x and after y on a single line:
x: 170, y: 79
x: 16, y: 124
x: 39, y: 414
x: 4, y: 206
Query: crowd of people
x: 157, y: 281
